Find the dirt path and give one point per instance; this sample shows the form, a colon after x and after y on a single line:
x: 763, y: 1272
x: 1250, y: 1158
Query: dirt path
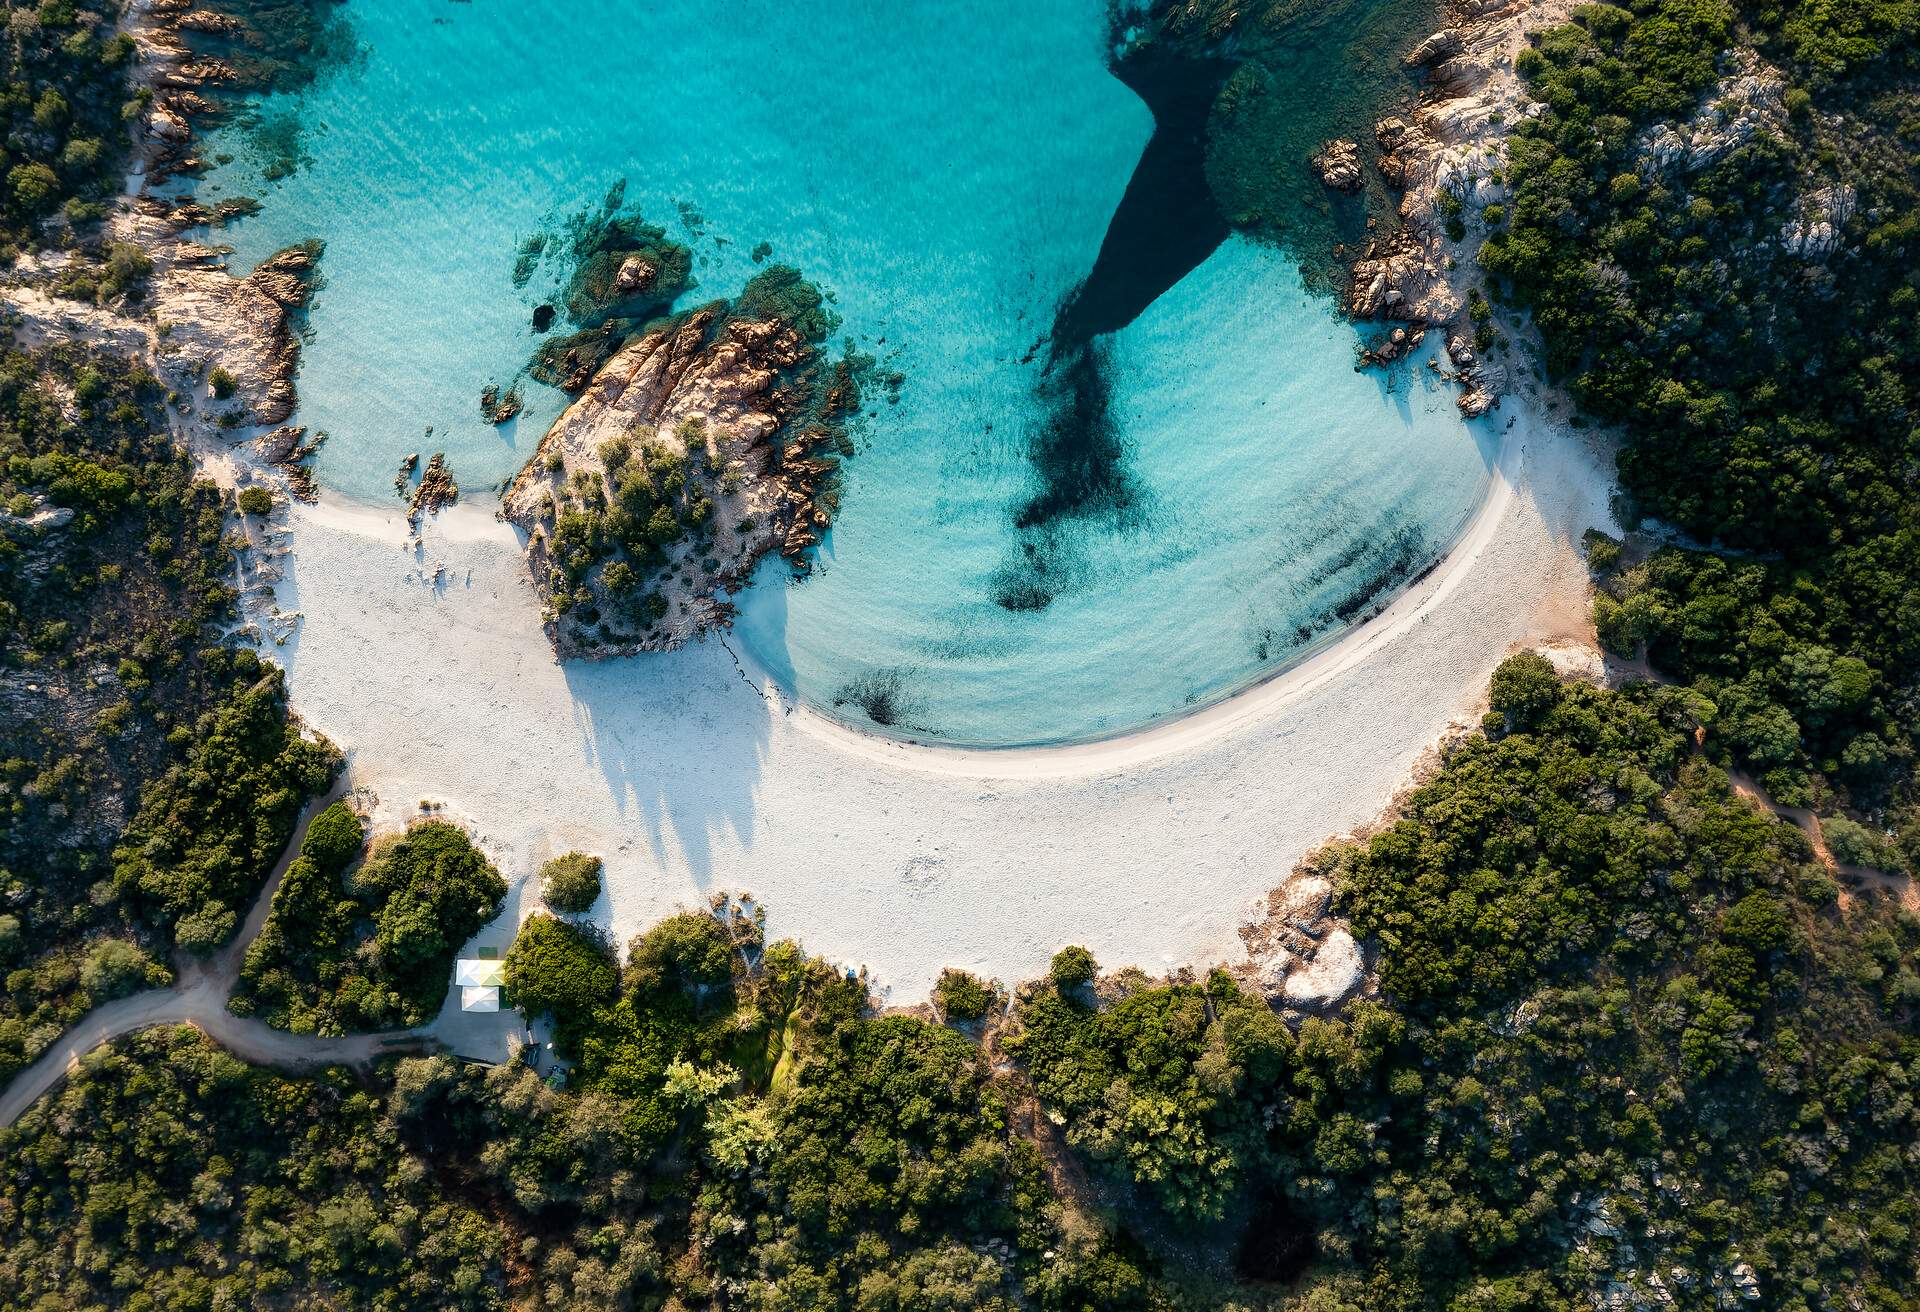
x: 199, y: 998
x: 1900, y: 887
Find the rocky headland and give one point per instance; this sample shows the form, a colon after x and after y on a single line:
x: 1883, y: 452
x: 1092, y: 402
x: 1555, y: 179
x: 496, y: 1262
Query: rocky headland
x: 227, y: 347
x: 1447, y: 157
x: 705, y: 442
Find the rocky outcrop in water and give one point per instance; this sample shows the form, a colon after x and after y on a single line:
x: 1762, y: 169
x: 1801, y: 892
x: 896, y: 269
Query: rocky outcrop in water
x: 697, y: 449
x: 209, y: 319
x: 241, y: 326
x: 496, y: 406
x: 288, y: 449
x: 1338, y: 165
x: 435, y: 490
x: 180, y: 80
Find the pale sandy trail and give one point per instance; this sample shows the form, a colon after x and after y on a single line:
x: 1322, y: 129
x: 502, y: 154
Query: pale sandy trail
x: 691, y: 775
x: 199, y: 998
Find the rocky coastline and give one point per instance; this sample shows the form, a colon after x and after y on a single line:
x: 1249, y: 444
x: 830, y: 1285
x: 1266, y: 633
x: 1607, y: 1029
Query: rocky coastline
x: 1447, y: 156
x: 226, y: 347
x: 702, y: 445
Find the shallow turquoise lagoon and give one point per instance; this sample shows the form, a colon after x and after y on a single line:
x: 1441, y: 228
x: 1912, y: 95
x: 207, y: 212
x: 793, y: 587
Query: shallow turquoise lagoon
x: 947, y: 172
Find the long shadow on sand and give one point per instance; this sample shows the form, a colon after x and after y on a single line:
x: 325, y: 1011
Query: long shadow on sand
x: 682, y: 740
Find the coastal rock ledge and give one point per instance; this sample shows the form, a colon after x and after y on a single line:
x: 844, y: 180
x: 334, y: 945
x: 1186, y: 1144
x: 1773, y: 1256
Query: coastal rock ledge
x: 701, y: 446
x: 1447, y: 155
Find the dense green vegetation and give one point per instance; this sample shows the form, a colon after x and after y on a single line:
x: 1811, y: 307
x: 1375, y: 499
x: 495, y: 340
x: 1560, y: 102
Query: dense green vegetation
x: 1634, y: 1043
x: 366, y: 945
x: 1577, y: 893
x: 148, y: 780
x: 167, y: 1174
x: 962, y: 996
x: 1578, y: 890
x: 65, y: 108
x: 210, y: 828
x: 1766, y: 370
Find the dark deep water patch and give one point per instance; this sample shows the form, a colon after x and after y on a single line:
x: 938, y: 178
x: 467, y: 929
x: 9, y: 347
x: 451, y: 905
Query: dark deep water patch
x: 1079, y: 459
x: 885, y: 696
x: 1166, y: 225
x: 1168, y: 222
x: 1237, y: 111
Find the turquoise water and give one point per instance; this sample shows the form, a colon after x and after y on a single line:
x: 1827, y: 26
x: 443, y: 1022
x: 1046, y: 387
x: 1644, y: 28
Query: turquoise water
x: 947, y: 173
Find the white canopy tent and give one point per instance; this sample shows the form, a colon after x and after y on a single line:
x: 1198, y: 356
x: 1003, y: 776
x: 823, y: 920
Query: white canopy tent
x: 479, y: 972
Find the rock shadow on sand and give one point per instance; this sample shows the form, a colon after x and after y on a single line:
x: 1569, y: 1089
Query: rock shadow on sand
x: 682, y: 743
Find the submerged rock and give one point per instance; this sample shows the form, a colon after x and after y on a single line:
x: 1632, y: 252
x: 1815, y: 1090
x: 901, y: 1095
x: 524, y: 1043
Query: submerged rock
x: 436, y: 489
x: 1338, y: 165
x: 496, y: 407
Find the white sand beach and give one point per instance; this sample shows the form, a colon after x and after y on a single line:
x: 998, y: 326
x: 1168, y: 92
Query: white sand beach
x: 691, y: 774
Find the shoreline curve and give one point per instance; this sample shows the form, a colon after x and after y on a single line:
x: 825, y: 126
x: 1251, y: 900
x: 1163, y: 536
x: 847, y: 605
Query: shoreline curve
x: 474, y: 520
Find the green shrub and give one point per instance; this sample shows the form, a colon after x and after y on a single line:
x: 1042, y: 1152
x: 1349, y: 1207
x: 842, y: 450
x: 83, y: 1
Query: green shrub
x: 961, y: 996
x: 689, y: 951
x: 205, y: 931
x: 374, y: 949
x: 571, y: 883
x: 222, y: 382
x: 256, y: 501
x: 1853, y: 844
x: 1525, y: 687
x: 334, y: 839
x: 115, y: 968
x: 560, y: 970
x: 1072, y: 967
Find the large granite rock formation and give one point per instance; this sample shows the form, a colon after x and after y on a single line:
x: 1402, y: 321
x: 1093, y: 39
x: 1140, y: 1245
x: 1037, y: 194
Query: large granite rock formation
x: 696, y: 450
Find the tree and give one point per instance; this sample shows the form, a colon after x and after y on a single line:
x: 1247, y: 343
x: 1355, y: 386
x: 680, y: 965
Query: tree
x: 409, y: 931
x: 334, y: 839
x: 35, y: 187
x: 1073, y: 966
x: 1524, y: 688
x: 571, y: 882
x: 558, y: 969
x: 962, y: 996
x: 688, y: 951
x: 113, y: 969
